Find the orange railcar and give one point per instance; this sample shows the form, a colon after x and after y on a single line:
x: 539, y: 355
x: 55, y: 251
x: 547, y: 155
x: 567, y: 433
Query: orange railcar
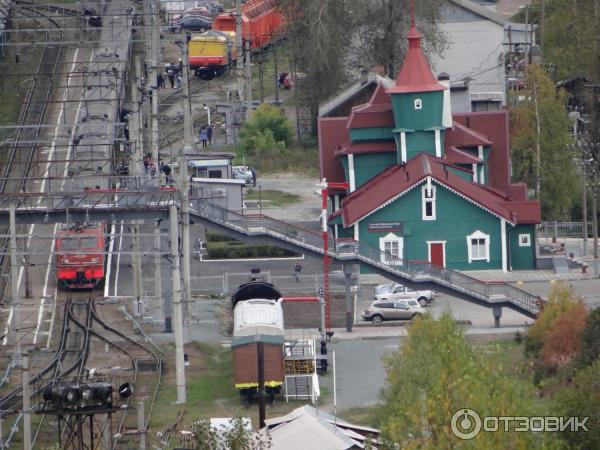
x: 262, y: 22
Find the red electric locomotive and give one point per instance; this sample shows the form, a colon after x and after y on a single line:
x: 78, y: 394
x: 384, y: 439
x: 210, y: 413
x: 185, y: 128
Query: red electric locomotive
x: 80, y: 256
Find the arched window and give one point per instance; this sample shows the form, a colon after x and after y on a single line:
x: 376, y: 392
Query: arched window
x: 478, y: 246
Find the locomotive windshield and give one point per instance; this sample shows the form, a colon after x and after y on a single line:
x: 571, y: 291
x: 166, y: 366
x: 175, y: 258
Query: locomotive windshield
x: 69, y: 244
x: 88, y: 243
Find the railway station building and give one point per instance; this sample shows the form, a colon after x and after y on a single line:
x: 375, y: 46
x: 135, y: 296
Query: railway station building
x: 426, y: 184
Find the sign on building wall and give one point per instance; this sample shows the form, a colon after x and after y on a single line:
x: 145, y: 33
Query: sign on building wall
x: 385, y: 227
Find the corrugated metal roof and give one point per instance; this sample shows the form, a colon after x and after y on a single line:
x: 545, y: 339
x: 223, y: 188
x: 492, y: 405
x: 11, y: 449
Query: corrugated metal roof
x: 258, y: 316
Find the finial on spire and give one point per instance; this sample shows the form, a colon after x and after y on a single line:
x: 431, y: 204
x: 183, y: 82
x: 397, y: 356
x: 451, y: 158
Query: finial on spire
x: 412, y: 13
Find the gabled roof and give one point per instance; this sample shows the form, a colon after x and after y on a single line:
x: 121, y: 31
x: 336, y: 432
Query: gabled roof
x: 480, y: 11
x: 395, y: 181
x: 376, y: 113
x: 351, y: 91
x: 307, y: 428
x: 415, y: 75
x: 463, y: 136
x: 456, y: 156
x: 370, y: 147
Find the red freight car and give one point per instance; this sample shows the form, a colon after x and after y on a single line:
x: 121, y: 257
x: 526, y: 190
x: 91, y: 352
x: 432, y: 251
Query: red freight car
x: 80, y: 255
x: 261, y: 22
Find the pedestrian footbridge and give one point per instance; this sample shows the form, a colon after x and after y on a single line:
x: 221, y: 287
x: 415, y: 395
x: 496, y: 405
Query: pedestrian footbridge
x: 138, y: 203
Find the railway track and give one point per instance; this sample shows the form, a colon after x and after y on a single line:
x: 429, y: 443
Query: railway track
x: 82, y: 325
x: 23, y: 148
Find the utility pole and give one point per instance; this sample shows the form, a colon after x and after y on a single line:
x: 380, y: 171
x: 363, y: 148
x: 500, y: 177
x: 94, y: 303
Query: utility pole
x: 137, y: 269
x: 26, y: 405
x: 595, y: 229
x: 276, y: 74
x: 141, y: 425
x: 14, y: 277
x: 584, y: 211
x: 157, y: 262
x: 155, y: 55
x: 261, y: 384
x: 188, y: 147
x: 248, y: 68
x: 177, y: 311
x: 239, y: 49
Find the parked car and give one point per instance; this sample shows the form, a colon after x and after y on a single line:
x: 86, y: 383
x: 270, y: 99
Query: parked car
x: 194, y: 23
x: 202, y: 11
x: 397, y: 291
x: 242, y: 173
x: 381, y: 310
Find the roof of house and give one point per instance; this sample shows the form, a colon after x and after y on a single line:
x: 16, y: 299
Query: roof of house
x: 415, y: 75
x: 306, y: 427
x: 493, y: 125
x: 332, y: 131
x: 368, y: 147
x: 351, y: 91
x: 457, y: 156
x: 480, y: 11
x: 462, y: 136
x: 376, y: 113
x: 399, y: 179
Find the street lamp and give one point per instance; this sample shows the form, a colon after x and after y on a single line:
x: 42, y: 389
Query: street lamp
x: 207, y: 109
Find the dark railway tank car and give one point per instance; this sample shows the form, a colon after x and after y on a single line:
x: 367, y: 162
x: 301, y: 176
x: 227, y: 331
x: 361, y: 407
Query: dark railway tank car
x: 257, y: 316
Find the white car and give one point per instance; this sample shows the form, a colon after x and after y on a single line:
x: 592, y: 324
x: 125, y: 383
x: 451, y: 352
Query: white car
x: 397, y: 291
x: 242, y: 173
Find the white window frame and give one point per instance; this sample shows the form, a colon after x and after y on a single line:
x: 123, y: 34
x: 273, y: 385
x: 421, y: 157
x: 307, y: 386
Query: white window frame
x: 527, y: 243
x: 418, y: 103
x: 478, y: 235
x: 391, y: 237
x: 425, y: 199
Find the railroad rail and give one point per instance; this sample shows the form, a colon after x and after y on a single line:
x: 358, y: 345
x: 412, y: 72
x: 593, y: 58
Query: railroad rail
x: 31, y: 117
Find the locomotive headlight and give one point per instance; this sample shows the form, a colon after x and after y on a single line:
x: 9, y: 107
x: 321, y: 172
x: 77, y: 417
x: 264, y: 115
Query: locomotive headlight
x: 95, y: 260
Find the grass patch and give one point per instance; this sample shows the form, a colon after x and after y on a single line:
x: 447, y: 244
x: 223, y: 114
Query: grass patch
x: 299, y: 158
x: 274, y: 197
x: 361, y: 415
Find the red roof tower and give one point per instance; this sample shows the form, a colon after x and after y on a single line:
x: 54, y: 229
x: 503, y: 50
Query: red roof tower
x: 415, y: 75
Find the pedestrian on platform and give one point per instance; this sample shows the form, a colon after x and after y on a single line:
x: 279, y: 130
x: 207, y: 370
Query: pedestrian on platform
x: 209, y: 133
x: 253, y: 176
x: 203, y: 136
x: 171, y: 75
x: 146, y: 162
x: 297, y: 270
x: 160, y: 80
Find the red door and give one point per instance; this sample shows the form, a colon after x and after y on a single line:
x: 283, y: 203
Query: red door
x: 436, y: 253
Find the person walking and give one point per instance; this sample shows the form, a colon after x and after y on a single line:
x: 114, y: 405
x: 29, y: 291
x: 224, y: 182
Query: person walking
x: 146, y: 162
x: 297, y: 270
x: 209, y: 133
x: 160, y: 80
x: 253, y: 176
x: 203, y: 136
x: 171, y: 75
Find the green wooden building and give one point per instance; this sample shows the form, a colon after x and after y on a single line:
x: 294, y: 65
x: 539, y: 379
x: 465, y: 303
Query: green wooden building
x: 425, y: 184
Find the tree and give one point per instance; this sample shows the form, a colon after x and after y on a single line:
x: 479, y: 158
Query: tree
x: 581, y: 399
x: 319, y: 33
x: 589, y: 347
x: 267, y: 130
x: 560, y: 302
x: 383, y: 26
x: 562, y: 341
x: 235, y: 436
x: 540, y: 137
x: 437, y: 373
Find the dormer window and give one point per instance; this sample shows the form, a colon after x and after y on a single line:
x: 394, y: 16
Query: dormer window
x: 428, y: 202
x: 418, y: 103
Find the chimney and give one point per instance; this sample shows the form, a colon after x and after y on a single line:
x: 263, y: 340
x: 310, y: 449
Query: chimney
x: 364, y: 76
x: 444, y: 80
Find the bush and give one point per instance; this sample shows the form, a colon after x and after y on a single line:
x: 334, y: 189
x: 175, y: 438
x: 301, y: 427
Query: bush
x: 268, y: 131
x: 235, y: 250
x: 211, y: 236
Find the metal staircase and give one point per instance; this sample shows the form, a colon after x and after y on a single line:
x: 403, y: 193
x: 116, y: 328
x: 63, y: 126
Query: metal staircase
x: 300, y: 368
x: 491, y: 294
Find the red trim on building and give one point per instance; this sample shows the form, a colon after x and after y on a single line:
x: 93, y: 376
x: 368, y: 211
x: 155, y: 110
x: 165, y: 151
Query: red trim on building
x: 332, y: 131
x: 462, y: 136
x: 397, y: 179
x: 361, y: 148
x: 456, y: 156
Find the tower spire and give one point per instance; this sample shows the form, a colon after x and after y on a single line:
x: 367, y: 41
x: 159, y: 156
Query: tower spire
x: 412, y: 13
